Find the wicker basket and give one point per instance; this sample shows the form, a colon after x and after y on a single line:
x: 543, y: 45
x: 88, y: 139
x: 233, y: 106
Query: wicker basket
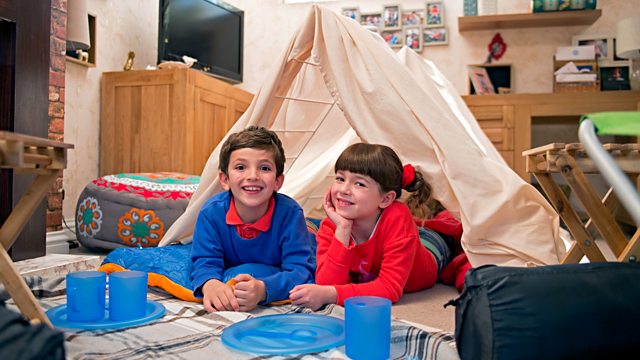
x: 573, y: 87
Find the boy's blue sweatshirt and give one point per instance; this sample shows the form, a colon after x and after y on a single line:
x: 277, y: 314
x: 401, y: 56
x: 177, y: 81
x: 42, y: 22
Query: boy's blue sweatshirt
x: 286, y: 245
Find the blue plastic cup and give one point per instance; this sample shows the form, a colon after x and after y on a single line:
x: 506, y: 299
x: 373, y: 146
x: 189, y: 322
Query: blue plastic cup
x: 367, y: 327
x: 86, y: 296
x: 127, y: 295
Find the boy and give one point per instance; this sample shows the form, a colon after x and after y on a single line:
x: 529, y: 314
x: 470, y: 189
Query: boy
x: 250, y: 226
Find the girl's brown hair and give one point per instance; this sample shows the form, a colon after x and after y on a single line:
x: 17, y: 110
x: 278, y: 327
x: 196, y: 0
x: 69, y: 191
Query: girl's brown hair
x: 383, y: 165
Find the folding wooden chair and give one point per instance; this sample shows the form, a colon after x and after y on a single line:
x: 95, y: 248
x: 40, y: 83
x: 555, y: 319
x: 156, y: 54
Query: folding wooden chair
x: 45, y: 158
x: 616, y: 123
x: 605, y: 214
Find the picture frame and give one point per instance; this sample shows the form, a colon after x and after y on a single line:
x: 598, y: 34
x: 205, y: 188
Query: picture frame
x: 603, y: 44
x: 352, y: 12
x: 391, y: 17
x: 434, y: 14
x: 413, y: 17
x: 435, y: 36
x: 481, y: 81
x: 371, y: 19
x: 393, y: 37
x: 615, y: 77
x: 413, y: 37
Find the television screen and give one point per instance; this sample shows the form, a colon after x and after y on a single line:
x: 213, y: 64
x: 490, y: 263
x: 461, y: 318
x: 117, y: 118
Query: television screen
x: 208, y: 30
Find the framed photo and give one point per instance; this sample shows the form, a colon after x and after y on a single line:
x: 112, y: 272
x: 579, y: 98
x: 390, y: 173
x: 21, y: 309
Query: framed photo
x: 435, y: 36
x: 603, y: 44
x: 413, y: 17
x: 391, y: 17
x: 615, y: 77
x: 371, y: 19
x: 481, y: 81
x: 353, y: 13
x: 434, y: 14
x: 413, y: 37
x: 393, y: 37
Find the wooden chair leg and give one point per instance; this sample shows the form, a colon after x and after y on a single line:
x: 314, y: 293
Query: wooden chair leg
x: 573, y: 255
x: 13, y: 282
x: 598, y: 213
x: 25, y: 207
x: 584, y: 241
x: 19, y: 291
x: 631, y: 252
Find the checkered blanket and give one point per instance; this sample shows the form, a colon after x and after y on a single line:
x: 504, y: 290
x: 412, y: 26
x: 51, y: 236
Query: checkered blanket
x: 187, y: 331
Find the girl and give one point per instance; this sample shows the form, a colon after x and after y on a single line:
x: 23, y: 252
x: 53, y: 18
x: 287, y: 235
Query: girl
x: 369, y: 243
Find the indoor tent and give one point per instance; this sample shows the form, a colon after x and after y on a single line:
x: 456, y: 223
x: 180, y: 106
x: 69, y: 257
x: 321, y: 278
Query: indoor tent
x: 338, y: 83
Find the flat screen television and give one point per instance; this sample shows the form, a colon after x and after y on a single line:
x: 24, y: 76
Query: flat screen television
x: 210, y: 31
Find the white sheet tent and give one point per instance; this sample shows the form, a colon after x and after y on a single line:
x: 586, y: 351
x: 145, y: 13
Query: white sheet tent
x: 336, y: 84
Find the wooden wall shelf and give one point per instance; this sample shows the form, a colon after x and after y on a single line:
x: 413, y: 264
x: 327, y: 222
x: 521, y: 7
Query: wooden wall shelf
x: 514, y: 21
x: 80, y: 62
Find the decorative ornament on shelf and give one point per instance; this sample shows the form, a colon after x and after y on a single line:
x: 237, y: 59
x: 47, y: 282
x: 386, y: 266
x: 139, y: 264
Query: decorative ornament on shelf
x: 82, y: 55
x: 497, y: 47
x: 129, y: 63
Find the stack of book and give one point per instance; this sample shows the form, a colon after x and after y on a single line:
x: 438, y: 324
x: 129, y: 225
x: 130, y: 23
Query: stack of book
x: 575, y: 69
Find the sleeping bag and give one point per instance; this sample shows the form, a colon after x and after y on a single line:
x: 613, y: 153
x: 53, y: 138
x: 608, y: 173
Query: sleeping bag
x: 578, y: 311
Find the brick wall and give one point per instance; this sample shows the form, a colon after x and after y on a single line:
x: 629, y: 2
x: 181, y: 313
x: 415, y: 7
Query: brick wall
x: 56, y: 102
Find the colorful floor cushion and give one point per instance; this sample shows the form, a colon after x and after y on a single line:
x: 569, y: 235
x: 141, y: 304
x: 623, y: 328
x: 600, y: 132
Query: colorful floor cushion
x: 131, y: 210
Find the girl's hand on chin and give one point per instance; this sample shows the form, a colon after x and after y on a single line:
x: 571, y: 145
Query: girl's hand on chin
x: 343, y: 225
x: 330, y: 209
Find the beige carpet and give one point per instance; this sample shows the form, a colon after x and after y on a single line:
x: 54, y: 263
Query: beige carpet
x: 426, y: 307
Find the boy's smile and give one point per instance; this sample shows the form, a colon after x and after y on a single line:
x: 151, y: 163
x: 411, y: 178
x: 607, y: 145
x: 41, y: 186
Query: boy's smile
x: 252, y: 179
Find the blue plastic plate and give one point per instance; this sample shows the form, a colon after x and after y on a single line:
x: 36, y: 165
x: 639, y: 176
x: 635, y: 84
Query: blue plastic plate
x: 285, y: 334
x: 58, y: 317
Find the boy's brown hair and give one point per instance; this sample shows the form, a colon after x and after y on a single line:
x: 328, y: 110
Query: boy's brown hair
x: 383, y: 165
x: 254, y: 137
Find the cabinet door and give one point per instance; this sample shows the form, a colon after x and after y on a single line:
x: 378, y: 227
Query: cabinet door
x: 119, y: 129
x: 158, y: 129
x: 497, y: 124
x: 136, y: 129
x: 213, y: 117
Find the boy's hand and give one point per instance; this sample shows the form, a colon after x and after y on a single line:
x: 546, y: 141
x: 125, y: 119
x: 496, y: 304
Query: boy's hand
x: 218, y: 296
x: 249, y: 291
x: 313, y: 296
x: 343, y: 225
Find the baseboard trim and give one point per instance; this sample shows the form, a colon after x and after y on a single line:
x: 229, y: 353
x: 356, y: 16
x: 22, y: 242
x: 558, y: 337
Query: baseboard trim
x: 58, y: 241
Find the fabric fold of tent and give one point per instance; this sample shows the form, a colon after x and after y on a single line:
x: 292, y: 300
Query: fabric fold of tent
x: 336, y: 84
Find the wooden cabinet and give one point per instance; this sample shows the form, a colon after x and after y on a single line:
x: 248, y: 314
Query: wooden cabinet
x: 497, y: 123
x: 164, y: 120
x: 507, y: 119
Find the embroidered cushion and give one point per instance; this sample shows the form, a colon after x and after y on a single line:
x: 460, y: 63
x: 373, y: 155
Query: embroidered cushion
x: 131, y: 210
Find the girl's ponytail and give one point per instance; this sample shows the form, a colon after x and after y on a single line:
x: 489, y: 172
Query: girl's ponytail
x: 419, y: 200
